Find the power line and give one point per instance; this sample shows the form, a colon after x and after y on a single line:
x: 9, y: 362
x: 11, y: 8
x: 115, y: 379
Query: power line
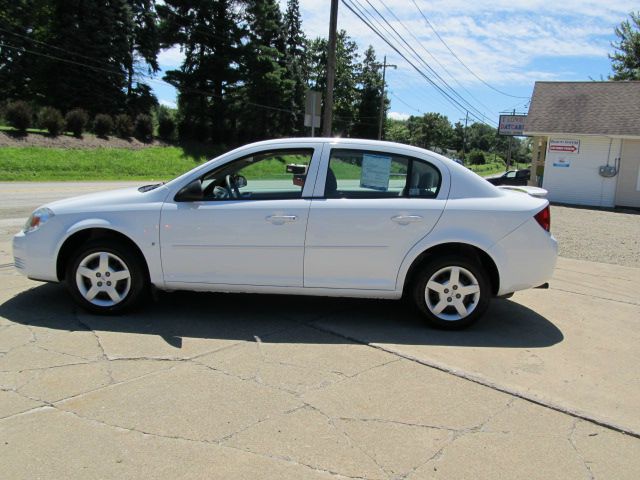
x: 369, y: 20
x: 452, y: 100
x: 405, y: 103
x: 458, y: 58
x: 453, y: 77
x: 469, y: 105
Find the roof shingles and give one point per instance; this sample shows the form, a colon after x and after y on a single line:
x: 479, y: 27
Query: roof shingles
x: 590, y: 108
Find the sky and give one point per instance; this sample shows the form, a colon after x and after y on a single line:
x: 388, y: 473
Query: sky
x: 486, y: 54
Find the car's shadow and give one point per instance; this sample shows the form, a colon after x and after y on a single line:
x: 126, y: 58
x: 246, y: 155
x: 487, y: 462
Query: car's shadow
x: 178, y: 315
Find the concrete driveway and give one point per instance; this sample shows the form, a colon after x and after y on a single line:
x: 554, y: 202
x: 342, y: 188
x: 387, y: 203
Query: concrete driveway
x: 242, y: 386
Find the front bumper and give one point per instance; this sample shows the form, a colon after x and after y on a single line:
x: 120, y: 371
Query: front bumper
x: 36, y: 263
x: 20, y: 253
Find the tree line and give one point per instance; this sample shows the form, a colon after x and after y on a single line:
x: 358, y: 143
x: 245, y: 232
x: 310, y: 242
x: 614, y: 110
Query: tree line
x: 475, y: 143
x: 246, y: 67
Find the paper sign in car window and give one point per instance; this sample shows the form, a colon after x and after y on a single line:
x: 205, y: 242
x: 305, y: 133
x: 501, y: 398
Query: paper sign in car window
x: 376, y: 170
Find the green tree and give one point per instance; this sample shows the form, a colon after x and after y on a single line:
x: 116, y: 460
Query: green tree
x: 93, y: 35
x: 316, y: 64
x: 143, y: 40
x: 348, y: 72
x: 266, y: 88
x: 295, y: 46
x: 481, y: 136
x: 625, y: 61
x: 209, y: 34
x: 432, y: 130
x: 22, y: 24
x: 458, y: 137
x: 370, y: 93
x: 397, y: 131
x: 345, y: 92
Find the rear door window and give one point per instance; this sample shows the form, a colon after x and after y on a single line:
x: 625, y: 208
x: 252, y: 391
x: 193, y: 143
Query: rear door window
x: 364, y: 174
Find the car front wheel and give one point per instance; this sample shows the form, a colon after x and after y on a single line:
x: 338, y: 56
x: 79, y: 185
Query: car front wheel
x: 106, y: 277
x: 452, y: 292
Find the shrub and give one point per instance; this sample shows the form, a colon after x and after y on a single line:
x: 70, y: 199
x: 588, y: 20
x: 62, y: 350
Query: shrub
x: 102, y: 125
x: 76, y: 120
x: 166, y: 128
x: 19, y: 115
x: 51, y: 120
x: 476, y: 157
x: 144, y: 127
x: 123, y: 126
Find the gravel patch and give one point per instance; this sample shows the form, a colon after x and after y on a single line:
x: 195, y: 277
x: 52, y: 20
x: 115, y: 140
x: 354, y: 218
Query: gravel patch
x: 597, y: 235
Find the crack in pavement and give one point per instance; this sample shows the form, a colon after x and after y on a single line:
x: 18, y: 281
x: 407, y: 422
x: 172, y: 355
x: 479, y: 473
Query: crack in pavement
x: 492, y: 385
x: 217, y: 443
x: 350, y: 441
x: 454, y: 434
x: 572, y: 442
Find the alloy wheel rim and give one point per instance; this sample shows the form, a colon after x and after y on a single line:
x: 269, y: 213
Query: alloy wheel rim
x: 452, y: 293
x: 103, y: 279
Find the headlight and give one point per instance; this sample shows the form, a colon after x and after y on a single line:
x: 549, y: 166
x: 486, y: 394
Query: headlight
x: 37, y: 219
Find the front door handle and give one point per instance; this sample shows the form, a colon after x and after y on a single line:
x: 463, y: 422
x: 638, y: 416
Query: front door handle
x: 406, y: 219
x: 281, y: 219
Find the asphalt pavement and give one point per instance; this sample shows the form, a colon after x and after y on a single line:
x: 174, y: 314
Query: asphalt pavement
x: 249, y: 386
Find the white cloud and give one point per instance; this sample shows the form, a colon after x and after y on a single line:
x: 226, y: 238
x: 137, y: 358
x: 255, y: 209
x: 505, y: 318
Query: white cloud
x: 398, y: 116
x: 500, y: 40
x: 170, y: 58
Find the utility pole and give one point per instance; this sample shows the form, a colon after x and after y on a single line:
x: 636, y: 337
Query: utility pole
x: 464, y: 137
x: 384, y: 71
x: 509, y: 151
x: 331, y: 70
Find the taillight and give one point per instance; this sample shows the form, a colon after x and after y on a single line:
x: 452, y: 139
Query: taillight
x: 543, y: 217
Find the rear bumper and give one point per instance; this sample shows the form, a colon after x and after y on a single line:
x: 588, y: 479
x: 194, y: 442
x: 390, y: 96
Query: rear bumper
x: 525, y: 258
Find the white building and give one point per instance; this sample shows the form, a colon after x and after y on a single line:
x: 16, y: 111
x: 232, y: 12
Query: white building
x: 588, y: 136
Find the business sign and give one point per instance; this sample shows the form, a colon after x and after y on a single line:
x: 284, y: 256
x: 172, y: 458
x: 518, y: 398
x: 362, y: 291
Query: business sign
x: 562, y: 163
x: 512, y: 125
x: 564, y: 146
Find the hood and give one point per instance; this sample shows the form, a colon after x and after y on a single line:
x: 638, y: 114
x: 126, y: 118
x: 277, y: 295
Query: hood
x: 102, y: 201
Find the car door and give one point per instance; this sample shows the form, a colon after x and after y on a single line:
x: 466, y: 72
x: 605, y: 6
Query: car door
x: 369, y: 208
x: 249, y: 226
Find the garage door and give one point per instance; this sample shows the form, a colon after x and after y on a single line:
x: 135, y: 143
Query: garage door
x: 628, y: 189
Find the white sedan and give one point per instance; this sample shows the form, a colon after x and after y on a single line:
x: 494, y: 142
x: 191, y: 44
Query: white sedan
x: 309, y: 216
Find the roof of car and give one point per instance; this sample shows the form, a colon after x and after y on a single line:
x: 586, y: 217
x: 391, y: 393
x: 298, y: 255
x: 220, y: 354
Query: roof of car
x: 349, y: 141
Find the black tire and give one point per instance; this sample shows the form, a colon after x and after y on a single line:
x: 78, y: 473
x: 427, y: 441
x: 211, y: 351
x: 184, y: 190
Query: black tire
x: 437, y: 269
x: 121, y: 260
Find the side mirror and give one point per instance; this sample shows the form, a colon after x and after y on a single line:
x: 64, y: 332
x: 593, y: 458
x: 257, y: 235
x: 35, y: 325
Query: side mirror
x: 192, y: 192
x: 296, y: 169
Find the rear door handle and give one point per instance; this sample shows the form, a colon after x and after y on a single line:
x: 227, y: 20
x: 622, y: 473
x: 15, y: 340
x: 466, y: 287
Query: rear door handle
x: 281, y: 219
x: 406, y: 219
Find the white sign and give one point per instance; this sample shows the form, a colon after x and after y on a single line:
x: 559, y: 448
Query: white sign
x: 312, y: 109
x: 564, y: 146
x: 376, y: 170
x: 562, y: 163
x: 511, y: 125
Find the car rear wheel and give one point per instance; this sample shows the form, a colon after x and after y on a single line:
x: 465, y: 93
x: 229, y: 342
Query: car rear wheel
x: 106, y: 277
x: 452, y: 292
